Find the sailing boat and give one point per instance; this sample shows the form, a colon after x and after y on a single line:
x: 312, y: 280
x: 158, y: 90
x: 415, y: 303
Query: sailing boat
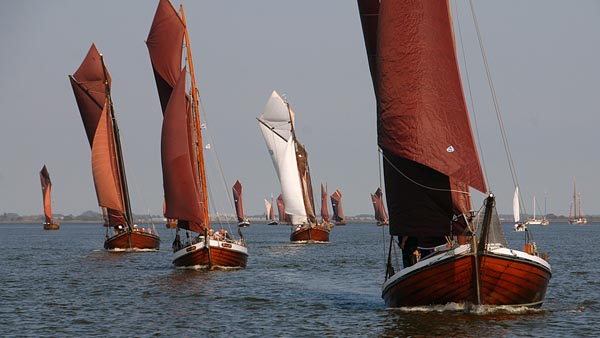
x: 338, y: 211
x: 91, y: 86
x: 575, y: 215
x: 324, y: 209
x: 283, y: 217
x: 429, y: 161
x: 270, y: 214
x: 49, y: 224
x: 239, y: 206
x: 519, y: 226
x: 380, y: 215
x: 534, y: 220
x: 184, y: 179
x: 291, y: 164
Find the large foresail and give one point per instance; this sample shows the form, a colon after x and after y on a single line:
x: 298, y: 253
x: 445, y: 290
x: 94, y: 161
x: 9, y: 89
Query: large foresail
x: 422, y: 120
x: 275, y: 125
x: 180, y: 171
x: 237, y: 200
x: 90, y: 84
x: 165, y: 42
x: 46, y: 188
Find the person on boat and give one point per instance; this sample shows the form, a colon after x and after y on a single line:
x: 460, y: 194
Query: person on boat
x: 177, y: 245
x: 224, y: 234
x: 408, y: 245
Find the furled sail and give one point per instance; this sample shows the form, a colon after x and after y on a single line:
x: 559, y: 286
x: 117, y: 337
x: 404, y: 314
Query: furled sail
x: 237, y: 200
x: 46, y: 188
x: 422, y: 120
x: 336, y: 205
x: 276, y: 123
x: 377, y: 198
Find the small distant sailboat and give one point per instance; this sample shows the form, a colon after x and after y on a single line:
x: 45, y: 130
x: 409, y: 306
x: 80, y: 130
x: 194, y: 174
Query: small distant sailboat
x: 270, y: 213
x: 284, y: 219
x: 49, y: 223
x: 537, y: 221
x: 575, y: 215
x: 324, y: 208
x: 239, y: 206
x: 338, y: 211
x: 184, y: 179
x: 92, y: 88
x: 519, y: 226
x: 380, y: 215
x: 291, y: 164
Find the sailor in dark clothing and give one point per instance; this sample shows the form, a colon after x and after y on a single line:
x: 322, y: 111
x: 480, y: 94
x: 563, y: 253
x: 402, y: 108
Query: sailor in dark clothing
x: 409, y: 246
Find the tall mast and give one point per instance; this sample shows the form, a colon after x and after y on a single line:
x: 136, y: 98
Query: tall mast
x: 199, y: 147
x: 117, y: 140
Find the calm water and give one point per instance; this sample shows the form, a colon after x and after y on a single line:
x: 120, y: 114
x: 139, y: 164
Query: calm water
x: 61, y: 284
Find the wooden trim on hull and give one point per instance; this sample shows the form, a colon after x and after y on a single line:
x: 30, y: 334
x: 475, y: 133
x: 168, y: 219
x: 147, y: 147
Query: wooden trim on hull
x: 223, y: 255
x: 504, y: 280
x: 310, y: 234
x: 51, y: 226
x: 138, y: 240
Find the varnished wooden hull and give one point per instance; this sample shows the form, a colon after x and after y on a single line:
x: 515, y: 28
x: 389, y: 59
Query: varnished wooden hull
x: 310, y: 234
x: 506, y: 277
x: 222, y: 255
x: 51, y: 226
x: 135, y: 240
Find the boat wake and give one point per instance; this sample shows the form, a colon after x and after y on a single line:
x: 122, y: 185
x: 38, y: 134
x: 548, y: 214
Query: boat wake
x: 471, y: 309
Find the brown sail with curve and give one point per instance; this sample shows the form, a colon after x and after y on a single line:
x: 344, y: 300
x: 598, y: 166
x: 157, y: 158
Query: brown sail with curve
x: 49, y: 223
x: 380, y: 215
x: 338, y: 211
x: 239, y: 205
x: 429, y: 163
x: 184, y: 179
x: 91, y: 85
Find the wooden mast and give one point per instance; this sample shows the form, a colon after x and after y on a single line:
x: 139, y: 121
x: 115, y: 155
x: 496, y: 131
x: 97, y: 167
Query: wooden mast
x: 117, y: 140
x: 199, y: 147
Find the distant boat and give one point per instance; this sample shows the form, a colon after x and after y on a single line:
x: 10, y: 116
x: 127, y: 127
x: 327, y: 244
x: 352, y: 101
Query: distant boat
x: 270, y: 213
x: 291, y: 164
x: 380, y: 215
x: 324, y: 208
x: 239, y: 205
x: 338, y: 211
x: 92, y: 88
x: 184, y: 180
x: 575, y: 215
x: 284, y: 219
x: 49, y: 223
x: 451, y: 255
x: 519, y: 226
x: 537, y: 221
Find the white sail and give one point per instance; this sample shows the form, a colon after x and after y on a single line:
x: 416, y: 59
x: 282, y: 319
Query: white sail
x: 267, y: 207
x: 276, y: 129
x: 516, y: 210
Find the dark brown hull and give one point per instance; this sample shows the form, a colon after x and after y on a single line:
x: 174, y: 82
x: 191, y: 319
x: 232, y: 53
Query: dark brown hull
x: 51, y: 226
x: 222, y: 255
x: 132, y: 241
x: 310, y: 234
x: 341, y: 222
x: 504, y: 280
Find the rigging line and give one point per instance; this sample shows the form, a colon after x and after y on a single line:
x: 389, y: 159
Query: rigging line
x: 473, y: 110
x: 494, y: 98
x: 419, y: 184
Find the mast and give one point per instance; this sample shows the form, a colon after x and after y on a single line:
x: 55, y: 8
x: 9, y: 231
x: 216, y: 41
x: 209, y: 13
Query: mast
x: 119, y: 151
x: 199, y: 147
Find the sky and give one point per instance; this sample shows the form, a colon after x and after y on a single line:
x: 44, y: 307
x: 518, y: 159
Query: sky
x: 543, y: 57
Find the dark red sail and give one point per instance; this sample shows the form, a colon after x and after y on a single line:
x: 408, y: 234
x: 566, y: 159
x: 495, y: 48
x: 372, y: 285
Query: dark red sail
x: 324, y: 208
x: 336, y: 205
x: 237, y: 200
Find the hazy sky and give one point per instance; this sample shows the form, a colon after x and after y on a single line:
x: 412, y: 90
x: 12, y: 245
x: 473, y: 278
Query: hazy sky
x: 543, y: 57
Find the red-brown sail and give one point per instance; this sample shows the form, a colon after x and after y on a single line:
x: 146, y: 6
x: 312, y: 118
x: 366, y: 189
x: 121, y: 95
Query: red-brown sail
x: 336, y: 205
x: 239, y: 206
x: 180, y: 172
x: 46, y: 188
x: 380, y: 214
x: 324, y: 208
x: 421, y: 115
x: 281, y: 210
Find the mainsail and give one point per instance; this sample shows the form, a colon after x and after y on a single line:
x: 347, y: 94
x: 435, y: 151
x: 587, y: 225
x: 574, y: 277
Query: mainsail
x: 427, y: 166
x: 270, y: 215
x: 237, y: 200
x: 91, y: 86
x: 46, y: 188
x: 336, y: 205
x: 324, y: 208
x: 379, y: 209
x: 283, y: 218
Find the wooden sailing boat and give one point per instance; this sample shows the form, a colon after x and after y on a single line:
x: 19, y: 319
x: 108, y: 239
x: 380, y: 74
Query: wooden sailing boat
x: 184, y: 179
x: 324, y: 208
x: 283, y: 217
x: 537, y: 221
x: 338, y: 211
x: 49, y: 223
x: 239, y: 206
x: 519, y: 226
x: 380, y: 215
x: 291, y: 164
x: 430, y: 160
x: 575, y: 215
x: 270, y: 212
x: 91, y: 85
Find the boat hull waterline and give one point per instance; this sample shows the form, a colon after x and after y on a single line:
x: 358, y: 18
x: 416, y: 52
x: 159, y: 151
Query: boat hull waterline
x: 135, y: 240
x: 307, y: 234
x: 223, y: 254
x: 51, y: 226
x: 506, y: 277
